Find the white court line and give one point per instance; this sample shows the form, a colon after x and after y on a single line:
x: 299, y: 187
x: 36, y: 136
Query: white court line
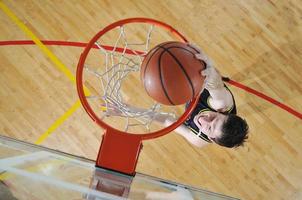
x: 60, y: 184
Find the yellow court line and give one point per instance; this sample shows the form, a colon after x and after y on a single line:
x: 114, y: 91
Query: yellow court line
x: 36, y: 40
x: 58, y: 122
x: 57, y: 63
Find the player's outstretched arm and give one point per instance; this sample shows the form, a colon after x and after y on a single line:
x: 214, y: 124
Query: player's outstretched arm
x: 221, y: 98
x: 187, y: 134
x: 165, y: 119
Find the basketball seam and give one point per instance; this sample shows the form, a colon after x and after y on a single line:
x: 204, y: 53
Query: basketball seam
x: 151, y: 57
x: 161, y: 78
x: 148, y: 63
x: 181, y: 66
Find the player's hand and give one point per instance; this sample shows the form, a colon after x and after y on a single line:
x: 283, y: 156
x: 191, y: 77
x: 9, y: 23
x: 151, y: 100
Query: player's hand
x: 201, y: 55
x: 166, y: 119
x: 213, y: 78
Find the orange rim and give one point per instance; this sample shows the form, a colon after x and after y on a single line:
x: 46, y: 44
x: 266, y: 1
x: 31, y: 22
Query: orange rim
x: 80, y: 88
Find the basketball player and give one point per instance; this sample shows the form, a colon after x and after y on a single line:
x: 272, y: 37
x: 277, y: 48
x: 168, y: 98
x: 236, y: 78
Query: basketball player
x: 214, y: 119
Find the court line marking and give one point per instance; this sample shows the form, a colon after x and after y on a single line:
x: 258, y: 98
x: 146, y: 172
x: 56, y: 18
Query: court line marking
x: 38, y: 42
x: 57, y: 63
x: 58, y: 122
x: 265, y: 97
x: 228, y: 80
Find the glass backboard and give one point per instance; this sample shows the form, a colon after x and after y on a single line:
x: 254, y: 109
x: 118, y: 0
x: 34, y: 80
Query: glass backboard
x: 30, y: 172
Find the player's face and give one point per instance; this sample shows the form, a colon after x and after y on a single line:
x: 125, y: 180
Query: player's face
x: 210, y: 123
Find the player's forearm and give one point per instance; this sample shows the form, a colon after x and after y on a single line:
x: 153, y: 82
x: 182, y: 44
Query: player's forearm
x: 188, y: 135
x: 220, y: 99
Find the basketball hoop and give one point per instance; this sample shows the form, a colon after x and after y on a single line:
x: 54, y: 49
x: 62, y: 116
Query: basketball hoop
x: 119, y: 60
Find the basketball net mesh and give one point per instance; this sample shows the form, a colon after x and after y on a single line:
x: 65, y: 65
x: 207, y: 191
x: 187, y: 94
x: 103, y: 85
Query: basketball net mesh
x: 120, y: 62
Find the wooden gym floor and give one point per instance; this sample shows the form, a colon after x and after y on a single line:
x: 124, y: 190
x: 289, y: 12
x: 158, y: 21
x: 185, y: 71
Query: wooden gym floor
x: 257, y: 43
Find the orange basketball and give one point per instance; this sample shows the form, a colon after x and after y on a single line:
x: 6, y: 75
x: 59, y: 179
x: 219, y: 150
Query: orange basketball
x: 171, y: 74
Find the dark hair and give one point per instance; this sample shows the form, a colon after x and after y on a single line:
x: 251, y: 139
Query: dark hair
x: 234, y: 132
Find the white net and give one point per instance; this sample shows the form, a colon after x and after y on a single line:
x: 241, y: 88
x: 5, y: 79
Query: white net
x: 112, y: 73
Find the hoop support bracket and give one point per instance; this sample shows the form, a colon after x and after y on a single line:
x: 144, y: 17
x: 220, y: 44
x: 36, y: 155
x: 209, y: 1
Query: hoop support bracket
x: 119, y: 151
